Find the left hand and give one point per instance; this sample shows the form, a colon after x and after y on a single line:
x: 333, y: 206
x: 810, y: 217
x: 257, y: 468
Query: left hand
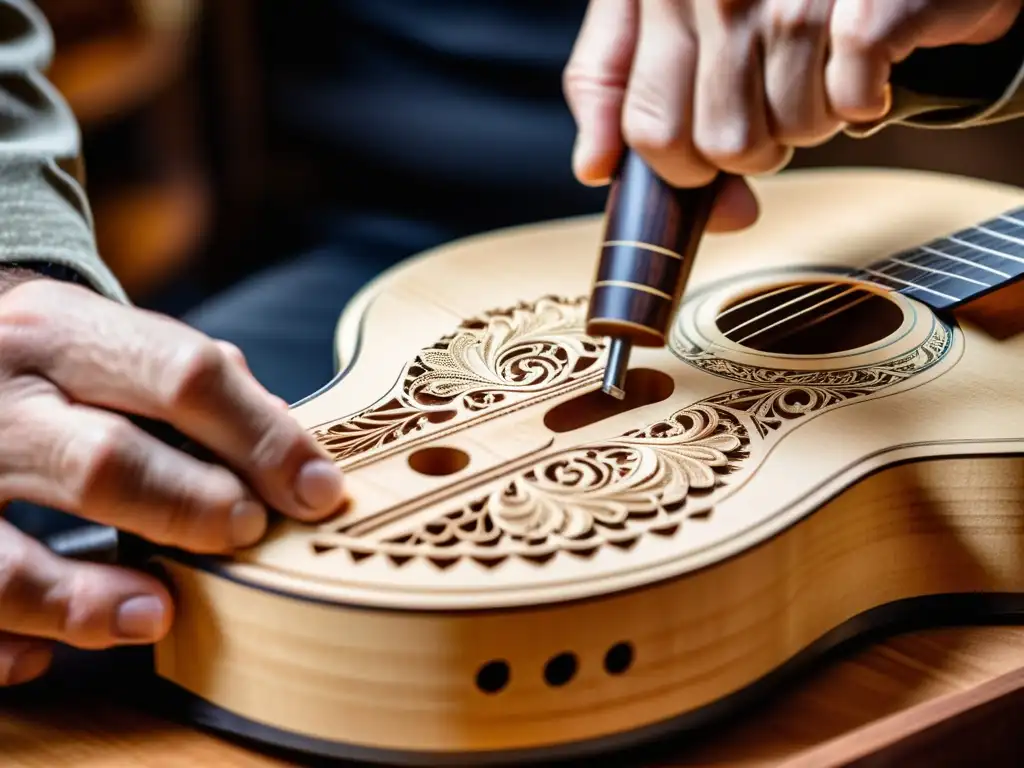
x: 702, y: 86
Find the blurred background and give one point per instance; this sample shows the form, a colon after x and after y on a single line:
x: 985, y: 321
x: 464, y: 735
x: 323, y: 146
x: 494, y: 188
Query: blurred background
x: 187, y: 177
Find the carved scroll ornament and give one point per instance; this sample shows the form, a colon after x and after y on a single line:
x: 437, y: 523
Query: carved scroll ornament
x: 612, y: 492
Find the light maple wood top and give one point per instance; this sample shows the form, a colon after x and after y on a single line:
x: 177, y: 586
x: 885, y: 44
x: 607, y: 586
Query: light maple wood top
x: 54, y: 731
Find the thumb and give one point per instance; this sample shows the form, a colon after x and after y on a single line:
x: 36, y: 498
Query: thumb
x: 594, y: 82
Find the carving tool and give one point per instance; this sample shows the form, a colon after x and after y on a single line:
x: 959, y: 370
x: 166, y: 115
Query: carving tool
x: 652, y: 231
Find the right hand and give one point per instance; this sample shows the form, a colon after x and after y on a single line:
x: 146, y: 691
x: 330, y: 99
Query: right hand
x: 70, y: 360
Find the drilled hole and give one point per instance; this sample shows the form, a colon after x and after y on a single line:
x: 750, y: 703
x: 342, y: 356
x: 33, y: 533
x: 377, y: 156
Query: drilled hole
x: 493, y: 676
x: 561, y: 669
x: 618, y: 659
x: 644, y: 386
x: 438, y: 461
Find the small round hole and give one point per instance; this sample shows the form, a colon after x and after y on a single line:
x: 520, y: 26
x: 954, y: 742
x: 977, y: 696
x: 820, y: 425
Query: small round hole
x: 438, y: 461
x: 561, y: 669
x: 493, y: 676
x: 618, y: 659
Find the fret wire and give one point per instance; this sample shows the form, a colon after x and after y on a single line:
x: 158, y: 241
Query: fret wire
x: 912, y: 285
x: 983, y: 248
x: 952, y: 262
x: 928, y: 282
x: 949, y: 275
x: 1002, y: 225
x: 999, y: 235
x: 969, y: 263
x: 992, y: 257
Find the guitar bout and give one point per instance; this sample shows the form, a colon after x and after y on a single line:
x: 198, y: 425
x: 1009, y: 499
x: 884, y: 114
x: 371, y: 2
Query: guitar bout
x: 752, y: 492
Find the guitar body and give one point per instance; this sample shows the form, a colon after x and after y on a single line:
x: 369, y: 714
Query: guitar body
x: 529, y: 569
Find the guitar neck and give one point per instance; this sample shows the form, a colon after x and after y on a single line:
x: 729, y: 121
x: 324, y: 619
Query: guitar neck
x: 952, y: 270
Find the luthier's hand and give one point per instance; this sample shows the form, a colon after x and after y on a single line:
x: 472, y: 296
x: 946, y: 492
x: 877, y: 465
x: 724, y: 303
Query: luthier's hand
x: 699, y: 86
x: 70, y: 361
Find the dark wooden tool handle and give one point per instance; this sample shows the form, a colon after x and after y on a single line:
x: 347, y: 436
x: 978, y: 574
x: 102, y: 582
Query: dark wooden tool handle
x: 651, y: 233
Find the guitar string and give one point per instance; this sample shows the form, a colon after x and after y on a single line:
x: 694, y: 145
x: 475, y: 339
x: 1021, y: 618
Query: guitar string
x: 821, y: 318
x: 802, y: 297
x: 795, y: 315
x: 856, y: 274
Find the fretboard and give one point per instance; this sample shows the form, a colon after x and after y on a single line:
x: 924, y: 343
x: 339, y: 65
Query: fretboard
x: 954, y: 269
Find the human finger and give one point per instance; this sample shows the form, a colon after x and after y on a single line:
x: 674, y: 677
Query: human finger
x: 860, y: 61
x: 657, y: 119
x: 594, y: 82
x: 23, y: 659
x: 736, y: 207
x: 98, y: 465
x: 116, y: 357
x: 796, y: 35
x: 84, y: 605
x: 234, y: 353
x: 730, y: 119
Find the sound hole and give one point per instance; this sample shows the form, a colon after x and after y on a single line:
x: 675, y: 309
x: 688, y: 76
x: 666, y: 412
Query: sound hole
x: 810, y: 318
x: 438, y: 461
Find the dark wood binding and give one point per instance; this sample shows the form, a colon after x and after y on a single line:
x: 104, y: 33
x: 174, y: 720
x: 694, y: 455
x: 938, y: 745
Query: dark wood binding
x: 651, y: 233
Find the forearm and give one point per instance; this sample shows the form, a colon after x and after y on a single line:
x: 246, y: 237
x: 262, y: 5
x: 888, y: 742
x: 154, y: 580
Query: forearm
x: 47, y: 225
x: 960, y: 86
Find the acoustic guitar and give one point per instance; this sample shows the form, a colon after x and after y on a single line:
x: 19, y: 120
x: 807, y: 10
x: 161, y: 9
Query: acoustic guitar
x: 830, y: 442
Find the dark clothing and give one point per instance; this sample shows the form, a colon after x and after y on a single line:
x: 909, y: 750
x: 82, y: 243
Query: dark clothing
x: 448, y: 114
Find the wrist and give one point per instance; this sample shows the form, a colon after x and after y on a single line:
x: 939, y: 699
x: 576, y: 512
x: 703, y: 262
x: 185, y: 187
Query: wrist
x: 13, y: 275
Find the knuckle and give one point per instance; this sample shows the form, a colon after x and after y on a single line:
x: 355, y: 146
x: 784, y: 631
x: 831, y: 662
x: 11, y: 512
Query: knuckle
x: 788, y: 19
x: 582, y: 83
x: 73, y: 601
x: 648, y: 125
x: 198, y: 369
x: 80, y: 605
x: 199, y: 520
x: 17, y: 342
x: 731, y: 10
x: 277, y: 441
x: 864, y: 28
x: 25, y: 313
x: 726, y: 141
x: 98, y: 459
x: 15, y: 556
x: 231, y: 351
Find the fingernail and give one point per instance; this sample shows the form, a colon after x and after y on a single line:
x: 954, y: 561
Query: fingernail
x: 140, y: 618
x: 582, y: 161
x: 248, y: 524
x: 320, y: 486
x: 29, y: 666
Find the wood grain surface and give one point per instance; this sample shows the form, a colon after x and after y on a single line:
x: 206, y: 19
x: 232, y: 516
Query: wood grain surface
x: 57, y: 726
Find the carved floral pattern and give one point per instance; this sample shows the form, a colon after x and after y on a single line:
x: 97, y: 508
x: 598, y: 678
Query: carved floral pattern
x: 775, y: 396
x: 607, y: 492
x: 501, y: 358
x: 612, y: 492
